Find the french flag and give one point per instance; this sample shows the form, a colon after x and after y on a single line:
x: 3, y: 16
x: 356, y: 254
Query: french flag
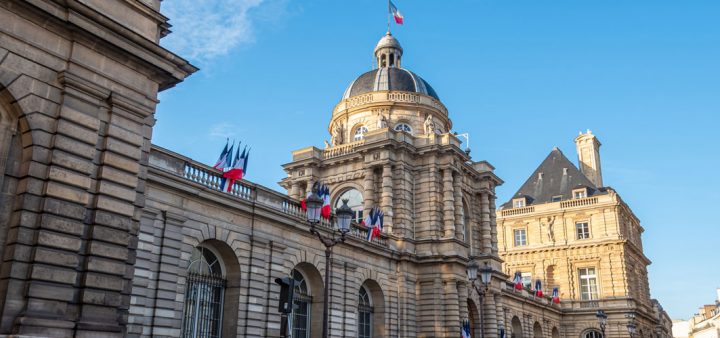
x: 222, y: 160
x: 396, y: 14
x: 555, y: 296
x: 325, y: 194
x: 370, y: 223
x: 518, y: 281
x: 236, y: 171
x: 466, y: 329
x: 538, y: 288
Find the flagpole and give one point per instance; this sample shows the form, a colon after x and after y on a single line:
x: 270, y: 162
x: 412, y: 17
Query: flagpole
x: 388, y: 16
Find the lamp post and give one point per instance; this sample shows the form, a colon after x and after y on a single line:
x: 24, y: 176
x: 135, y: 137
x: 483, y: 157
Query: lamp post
x: 631, y: 328
x: 485, y: 274
x: 343, y: 216
x: 602, y: 320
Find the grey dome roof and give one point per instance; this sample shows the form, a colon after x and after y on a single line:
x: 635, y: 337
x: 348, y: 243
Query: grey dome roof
x: 388, y: 41
x: 390, y: 78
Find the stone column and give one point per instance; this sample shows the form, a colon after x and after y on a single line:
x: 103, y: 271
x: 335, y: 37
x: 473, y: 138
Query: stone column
x: 451, y: 315
x: 500, y: 314
x: 460, y: 225
x: 369, y: 187
x: 448, y: 204
x: 295, y: 191
x: 387, y: 197
x: 493, y: 225
x: 490, y: 315
x: 486, y: 246
x: 308, y: 186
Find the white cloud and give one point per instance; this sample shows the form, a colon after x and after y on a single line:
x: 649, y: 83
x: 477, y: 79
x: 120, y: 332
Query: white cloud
x: 203, y: 29
x: 224, y: 130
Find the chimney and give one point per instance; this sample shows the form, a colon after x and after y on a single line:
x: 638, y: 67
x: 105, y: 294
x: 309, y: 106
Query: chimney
x: 588, y: 149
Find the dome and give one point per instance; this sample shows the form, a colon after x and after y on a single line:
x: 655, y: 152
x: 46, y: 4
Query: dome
x: 388, y: 41
x: 389, y: 78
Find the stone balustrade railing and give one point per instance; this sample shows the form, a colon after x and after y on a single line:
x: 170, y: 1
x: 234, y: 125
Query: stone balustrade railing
x: 341, y: 150
x: 517, y: 211
x: 579, y: 202
x: 554, y: 206
x: 211, y: 178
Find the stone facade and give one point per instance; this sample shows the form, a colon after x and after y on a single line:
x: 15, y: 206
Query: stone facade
x: 103, y: 234
x: 581, y: 227
x: 78, y: 90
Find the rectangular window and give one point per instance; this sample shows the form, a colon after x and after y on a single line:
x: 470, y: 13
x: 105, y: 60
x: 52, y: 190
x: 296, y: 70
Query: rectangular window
x: 526, y: 280
x: 557, y: 198
x: 582, y: 230
x: 588, y: 284
x: 580, y: 193
x: 518, y: 203
x: 520, y: 237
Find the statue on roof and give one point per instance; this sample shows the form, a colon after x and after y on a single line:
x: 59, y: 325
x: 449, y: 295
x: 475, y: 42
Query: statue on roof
x: 337, y: 134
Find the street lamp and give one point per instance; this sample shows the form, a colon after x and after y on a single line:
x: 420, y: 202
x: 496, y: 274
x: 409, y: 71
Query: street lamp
x: 485, y: 274
x: 343, y: 216
x: 631, y: 328
x: 602, y: 320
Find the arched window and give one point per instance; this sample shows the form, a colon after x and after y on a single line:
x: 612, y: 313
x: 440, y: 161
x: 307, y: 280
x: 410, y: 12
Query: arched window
x: 301, y: 314
x: 204, y: 295
x: 403, y: 127
x: 365, y: 313
x: 592, y: 334
x: 360, y: 133
x: 355, y: 202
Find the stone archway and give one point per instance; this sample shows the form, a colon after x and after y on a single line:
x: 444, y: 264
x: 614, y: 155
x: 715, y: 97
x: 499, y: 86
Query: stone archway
x: 474, y: 318
x: 316, y: 291
x: 537, y: 330
x: 377, y: 300
x: 555, y: 333
x: 516, y: 330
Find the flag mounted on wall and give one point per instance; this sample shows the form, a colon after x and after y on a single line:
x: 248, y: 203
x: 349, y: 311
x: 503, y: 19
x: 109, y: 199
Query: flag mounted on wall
x: 518, y: 281
x: 466, y: 329
x: 374, y: 222
x: 395, y: 13
x: 555, y: 296
x: 538, y: 288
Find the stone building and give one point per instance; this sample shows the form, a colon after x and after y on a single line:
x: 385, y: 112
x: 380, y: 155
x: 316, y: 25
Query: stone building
x: 567, y: 229
x: 704, y: 324
x: 105, y: 235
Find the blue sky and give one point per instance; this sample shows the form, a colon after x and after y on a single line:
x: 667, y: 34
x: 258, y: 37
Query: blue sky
x: 520, y: 76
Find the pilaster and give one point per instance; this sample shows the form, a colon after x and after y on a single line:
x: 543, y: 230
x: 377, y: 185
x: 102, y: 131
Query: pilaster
x: 448, y: 204
x: 387, y: 197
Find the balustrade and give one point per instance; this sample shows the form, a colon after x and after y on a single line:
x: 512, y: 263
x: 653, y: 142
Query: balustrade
x: 341, y: 150
x: 579, y: 202
x: 211, y: 178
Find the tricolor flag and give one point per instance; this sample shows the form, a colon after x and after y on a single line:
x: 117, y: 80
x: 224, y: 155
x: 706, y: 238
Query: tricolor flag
x: 538, y: 288
x: 374, y: 222
x: 325, y: 195
x: 518, y: 281
x: 466, y: 329
x: 502, y: 332
x: 555, y: 296
x: 219, y: 164
x: 396, y: 13
x: 236, y: 171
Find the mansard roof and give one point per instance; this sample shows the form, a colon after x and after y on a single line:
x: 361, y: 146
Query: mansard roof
x: 556, y: 176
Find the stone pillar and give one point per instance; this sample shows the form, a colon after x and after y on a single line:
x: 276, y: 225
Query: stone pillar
x: 493, y: 225
x: 486, y: 246
x: 500, y: 313
x: 451, y: 315
x: 460, y: 226
x: 448, y: 204
x: 490, y: 315
x: 308, y: 186
x: 430, y: 208
x: 295, y: 191
x: 369, y: 187
x: 387, y: 198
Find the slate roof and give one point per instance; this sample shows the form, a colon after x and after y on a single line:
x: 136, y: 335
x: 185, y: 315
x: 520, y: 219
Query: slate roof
x: 559, y: 177
x: 389, y: 78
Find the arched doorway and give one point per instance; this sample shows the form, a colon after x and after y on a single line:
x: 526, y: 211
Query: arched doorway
x: 592, y: 333
x: 555, y: 333
x: 306, y: 319
x: 212, y: 291
x: 371, y: 310
x: 474, y: 318
x: 516, y: 328
x: 537, y: 330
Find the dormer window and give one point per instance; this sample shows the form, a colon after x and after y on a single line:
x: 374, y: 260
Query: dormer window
x: 580, y: 193
x: 518, y: 202
x: 557, y: 198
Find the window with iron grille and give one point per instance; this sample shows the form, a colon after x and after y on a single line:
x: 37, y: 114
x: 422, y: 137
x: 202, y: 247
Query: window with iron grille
x: 365, y: 311
x: 204, y: 295
x: 301, y: 315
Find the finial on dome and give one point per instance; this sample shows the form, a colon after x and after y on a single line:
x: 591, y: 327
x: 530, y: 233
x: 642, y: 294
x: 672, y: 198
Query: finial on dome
x: 388, y: 51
